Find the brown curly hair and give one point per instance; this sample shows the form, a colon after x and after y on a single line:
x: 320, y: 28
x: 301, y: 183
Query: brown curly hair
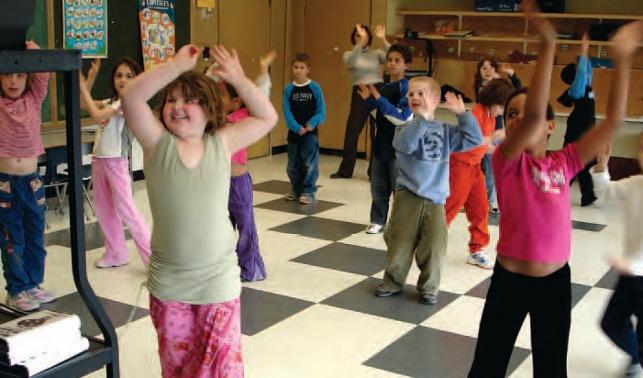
x: 197, y: 85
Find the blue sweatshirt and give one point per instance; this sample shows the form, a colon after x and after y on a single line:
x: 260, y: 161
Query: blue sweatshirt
x: 422, y: 150
x: 303, y: 104
x: 392, y: 110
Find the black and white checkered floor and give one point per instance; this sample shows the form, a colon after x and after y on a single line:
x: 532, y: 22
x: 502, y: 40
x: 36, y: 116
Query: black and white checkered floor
x: 316, y: 316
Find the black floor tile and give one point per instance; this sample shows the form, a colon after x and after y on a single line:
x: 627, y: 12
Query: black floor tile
x: 347, y: 258
x: 404, y: 307
x: 275, y: 187
x: 118, y: 312
x: 480, y: 291
x: 93, y: 237
x: 609, y: 280
x: 260, y: 309
x: 295, y: 207
x: 428, y: 353
x: 586, y: 226
x: 320, y: 228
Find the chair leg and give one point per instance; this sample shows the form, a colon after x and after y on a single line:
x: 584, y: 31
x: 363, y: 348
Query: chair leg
x: 59, y: 198
x: 89, y: 200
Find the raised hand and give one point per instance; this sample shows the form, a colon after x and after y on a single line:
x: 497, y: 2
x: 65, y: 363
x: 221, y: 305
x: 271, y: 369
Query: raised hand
x: 362, y: 36
x: 31, y: 45
x: 267, y: 59
x: 93, y: 69
x: 229, y: 68
x: 186, y: 57
x: 380, y: 32
x: 454, y: 103
x: 584, y: 44
x: 628, y: 39
x: 506, y: 68
x: 543, y: 26
x: 363, y: 91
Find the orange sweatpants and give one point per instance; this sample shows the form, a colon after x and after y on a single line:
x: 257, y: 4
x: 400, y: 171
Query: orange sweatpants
x: 467, y: 188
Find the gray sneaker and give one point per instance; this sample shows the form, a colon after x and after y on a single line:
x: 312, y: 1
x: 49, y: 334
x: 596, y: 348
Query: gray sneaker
x: 306, y: 199
x: 22, y: 301
x: 291, y: 197
x: 429, y: 298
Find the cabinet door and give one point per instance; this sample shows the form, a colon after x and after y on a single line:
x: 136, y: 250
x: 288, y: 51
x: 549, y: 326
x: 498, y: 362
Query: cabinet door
x: 328, y: 27
x: 245, y: 26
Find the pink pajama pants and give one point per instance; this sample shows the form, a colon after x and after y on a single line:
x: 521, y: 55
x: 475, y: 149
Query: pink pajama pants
x: 198, y: 341
x: 114, y: 206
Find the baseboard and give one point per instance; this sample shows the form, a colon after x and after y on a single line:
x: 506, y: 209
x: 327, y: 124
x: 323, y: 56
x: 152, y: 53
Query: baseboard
x: 283, y: 149
x: 138, y: 175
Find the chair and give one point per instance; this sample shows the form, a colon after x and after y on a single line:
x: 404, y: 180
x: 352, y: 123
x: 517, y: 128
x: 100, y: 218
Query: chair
x: 56, y: 175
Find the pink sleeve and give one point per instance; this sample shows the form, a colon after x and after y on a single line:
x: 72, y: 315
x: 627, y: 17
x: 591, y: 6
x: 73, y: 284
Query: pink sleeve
x: 39, y: 86
x: 573, y: 162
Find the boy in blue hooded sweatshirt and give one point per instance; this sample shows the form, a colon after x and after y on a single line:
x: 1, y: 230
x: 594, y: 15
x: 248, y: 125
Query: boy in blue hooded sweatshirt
x: 418, y: 220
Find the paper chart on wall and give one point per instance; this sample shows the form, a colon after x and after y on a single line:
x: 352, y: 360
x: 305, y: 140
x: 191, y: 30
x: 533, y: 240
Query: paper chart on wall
x: 157, y: 22
x: 85, y: 27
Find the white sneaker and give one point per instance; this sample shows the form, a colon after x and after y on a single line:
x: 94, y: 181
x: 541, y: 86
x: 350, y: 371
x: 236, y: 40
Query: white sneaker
x: 22, y: 301
x: 374, y: 229
x: 480, y: 259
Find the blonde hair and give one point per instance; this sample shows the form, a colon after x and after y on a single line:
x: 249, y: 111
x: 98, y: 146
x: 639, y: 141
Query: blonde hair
x: 432, y: 84
x: 197, y: 85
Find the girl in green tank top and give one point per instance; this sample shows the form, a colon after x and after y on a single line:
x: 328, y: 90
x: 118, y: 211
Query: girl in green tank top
x: 193, y: 274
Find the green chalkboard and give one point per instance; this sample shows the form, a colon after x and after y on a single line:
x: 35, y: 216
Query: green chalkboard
x: 124, y: 39
x: 38, y: 33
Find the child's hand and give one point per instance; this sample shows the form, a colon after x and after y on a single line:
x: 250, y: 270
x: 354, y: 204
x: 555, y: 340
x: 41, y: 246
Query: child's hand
x: 186, y: 57
x: 380, y: 32
x: 363, y: 91
x: 620, y: 264
x: 454, y: 103
x: 302, y: 130
x: 266, y: 60
x: 544, y: 27
x: 584, y: 45
x: 93, y: 69
x: 628, y: 39
x: 374, y: 92
x: 308, y: 128
x: 229, y: 68
x: 362, y: 37
x: 507, y: 69
x: 31, y: 45
x: 603, y: 158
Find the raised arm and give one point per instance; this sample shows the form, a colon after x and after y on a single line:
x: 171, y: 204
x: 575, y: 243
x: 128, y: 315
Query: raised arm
x: 40, y: 81
x: 263, y: 80
x: 350, y: 57
x: 467, y: 134
x: 626, y: 41
x: 538, y: 97
x: 99, y: 115
x: 140, y: 119
x: 263, y: 115
x: 397, y: 114
x: 583, y: 70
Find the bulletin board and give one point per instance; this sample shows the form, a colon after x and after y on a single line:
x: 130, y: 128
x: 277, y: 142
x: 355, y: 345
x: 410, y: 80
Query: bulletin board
x: 85, y: 27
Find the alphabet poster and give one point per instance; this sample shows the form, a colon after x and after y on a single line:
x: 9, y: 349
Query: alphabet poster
x: 85, y: 27
x: 157, y: 21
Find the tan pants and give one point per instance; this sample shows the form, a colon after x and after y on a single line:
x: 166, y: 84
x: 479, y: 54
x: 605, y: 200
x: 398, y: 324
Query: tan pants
x: 417, y: 227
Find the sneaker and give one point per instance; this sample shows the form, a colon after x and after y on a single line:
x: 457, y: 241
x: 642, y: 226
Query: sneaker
x: 429, y: 298
x: 40, y: 295
x: 104, y: 263
x: 22, y: 301
x: 480, y: 259
x: 633, y: 371
x: 306, y: 199
x: 382, y: 292
x: 374, y: 229
x: 291, y: 197
x: 338, y: 175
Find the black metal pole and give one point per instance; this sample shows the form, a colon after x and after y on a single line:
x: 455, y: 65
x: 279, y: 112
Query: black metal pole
x: 76, y: 217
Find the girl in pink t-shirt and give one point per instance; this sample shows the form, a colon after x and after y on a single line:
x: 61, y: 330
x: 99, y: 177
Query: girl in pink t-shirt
x: 22, y: 193
x: 240, y: 200
x: 531, y: 275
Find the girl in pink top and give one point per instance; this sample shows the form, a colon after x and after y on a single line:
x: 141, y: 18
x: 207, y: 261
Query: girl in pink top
x: 22, y: 193
x: 531, y: 275
x: 113, y: 197
x: 240, y: 200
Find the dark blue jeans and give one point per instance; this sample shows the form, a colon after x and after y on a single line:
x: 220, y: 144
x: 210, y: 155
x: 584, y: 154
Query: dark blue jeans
x: 22, y: 231
x: 303, y: 165
x: 382, y: 185
x: 626, y: 301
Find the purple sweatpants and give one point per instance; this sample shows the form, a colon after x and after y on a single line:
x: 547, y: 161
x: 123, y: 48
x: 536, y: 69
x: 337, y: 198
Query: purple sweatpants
x: 243, y: 219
